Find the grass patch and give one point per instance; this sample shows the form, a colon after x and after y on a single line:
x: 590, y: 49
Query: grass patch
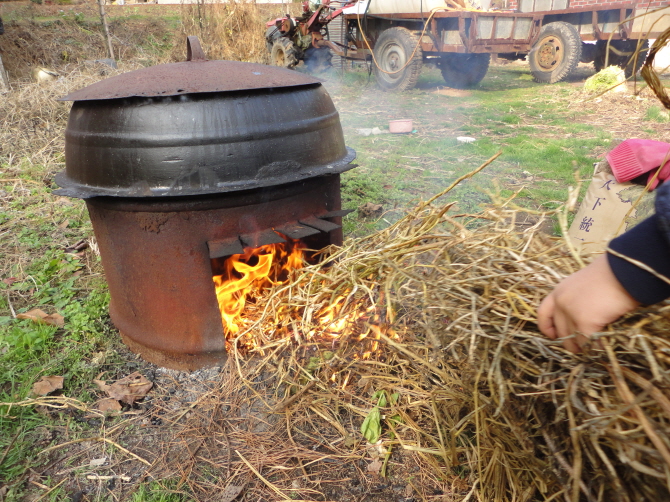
x: 541, y: 140
x: 656, y: 114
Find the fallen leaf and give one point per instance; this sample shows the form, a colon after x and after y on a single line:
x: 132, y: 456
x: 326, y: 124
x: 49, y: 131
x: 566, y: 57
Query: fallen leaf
x: 460, y: 485
x: 64, y: 224
x: 34, y: 315
x: 108, y: 404
x: 98, y: 359
x: 230, y: 493
x: 129, y: 389
x: 375, y: 466
x: 97, y: 462
x: 47, y: 385
x: 38, y: 315
x: 369, y: 209
x: 55, y: 320
x: 101, y: 385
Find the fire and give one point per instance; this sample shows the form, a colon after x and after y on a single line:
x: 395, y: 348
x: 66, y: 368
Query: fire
x: 247, y: 274
x: 347, y: 319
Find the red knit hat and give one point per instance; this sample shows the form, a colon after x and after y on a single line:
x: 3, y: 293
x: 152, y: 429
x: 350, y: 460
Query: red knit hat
x: 634, y: 157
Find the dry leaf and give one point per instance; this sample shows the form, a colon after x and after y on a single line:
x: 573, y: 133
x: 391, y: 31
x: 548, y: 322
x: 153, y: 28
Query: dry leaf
x: 369, y: 210
x: 34, y: 315
x: 47, y: 385
x: 230, y: 493
x: 128, y: 390
x: 38, y: 315
x: 375, y: 466
x: 460, y: 485
x: 54, y: 320
x: 98, y: 359
x: 101, y: 385
x: 108, y: 404
x: 97, y: 462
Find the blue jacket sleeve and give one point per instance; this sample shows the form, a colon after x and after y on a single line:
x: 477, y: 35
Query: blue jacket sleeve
x: 649, y: 243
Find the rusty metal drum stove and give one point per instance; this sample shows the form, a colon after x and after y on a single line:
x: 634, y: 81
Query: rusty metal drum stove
x: 184, y: 164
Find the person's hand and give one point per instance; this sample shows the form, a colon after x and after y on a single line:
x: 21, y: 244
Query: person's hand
x: 584, y: 302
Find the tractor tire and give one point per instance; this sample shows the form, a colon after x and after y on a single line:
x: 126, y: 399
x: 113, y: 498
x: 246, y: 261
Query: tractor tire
x: 630, y: 61
x: 284, y: 53
x: 318, y: 60
x: 392, y: 51
x: 556, y: 53
x: 463, y: 71
x: 271, y: 36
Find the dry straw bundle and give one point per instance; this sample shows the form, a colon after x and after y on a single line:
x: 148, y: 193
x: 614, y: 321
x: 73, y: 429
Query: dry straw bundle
x: 232, y: 30
x: 483, y: 405
x: 32, y: 120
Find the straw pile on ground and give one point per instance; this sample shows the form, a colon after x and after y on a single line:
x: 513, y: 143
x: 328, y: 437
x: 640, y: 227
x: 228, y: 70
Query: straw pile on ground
x: 476, y: 400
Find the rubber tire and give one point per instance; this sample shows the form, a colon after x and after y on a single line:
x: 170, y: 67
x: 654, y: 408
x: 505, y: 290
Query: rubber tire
x: 629, y: 66
x: 549, y: 66
x: 318, y: 60
x: 392, y: 50
x: 463, y: 71
x: 272, y: 34
x: 284, y: 53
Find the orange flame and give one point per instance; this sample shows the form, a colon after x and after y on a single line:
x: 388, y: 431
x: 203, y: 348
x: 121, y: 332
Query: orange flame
x: 347, y: 319
x: 247, y: 274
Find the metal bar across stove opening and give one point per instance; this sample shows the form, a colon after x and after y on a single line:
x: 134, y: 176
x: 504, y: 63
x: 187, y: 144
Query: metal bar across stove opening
x: 296, y: 231
x: 335, y: 214
x: 263, y: 238
x: 225, y: 247
x: 323, y: 225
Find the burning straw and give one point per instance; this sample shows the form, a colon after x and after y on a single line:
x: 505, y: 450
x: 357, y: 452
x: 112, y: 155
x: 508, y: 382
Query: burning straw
x: 437, y: 314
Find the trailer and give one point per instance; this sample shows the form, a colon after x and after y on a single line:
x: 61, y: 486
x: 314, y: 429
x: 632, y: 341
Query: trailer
x: 398, y: 36
x: 459, y: 36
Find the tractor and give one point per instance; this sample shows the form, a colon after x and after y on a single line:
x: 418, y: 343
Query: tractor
x: 305, y: 38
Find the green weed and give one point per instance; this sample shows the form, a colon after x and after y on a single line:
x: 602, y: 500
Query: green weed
x: 159, y: 492
x: 655, y: 114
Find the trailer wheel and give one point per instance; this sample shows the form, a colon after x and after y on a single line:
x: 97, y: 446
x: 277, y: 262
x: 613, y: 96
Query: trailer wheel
x: 284, y: 53
x: 462, y: 71
x: 392, y: 51
x: 556, y: 53
x: 624, y: 54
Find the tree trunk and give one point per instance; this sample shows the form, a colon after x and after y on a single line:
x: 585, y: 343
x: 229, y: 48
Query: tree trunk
x: 108, y: 38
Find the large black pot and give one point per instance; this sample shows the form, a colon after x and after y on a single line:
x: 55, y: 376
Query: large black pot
x: 199, y: 127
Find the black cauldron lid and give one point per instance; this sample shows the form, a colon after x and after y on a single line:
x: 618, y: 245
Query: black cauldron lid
x: 195, y: 75
x: 200, y: 127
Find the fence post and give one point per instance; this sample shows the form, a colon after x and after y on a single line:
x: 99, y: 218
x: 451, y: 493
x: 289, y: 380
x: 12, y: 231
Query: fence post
x: 4, y: 80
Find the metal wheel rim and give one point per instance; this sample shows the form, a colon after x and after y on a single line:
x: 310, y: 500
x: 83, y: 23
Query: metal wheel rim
x: 550, y: 53
x: 280, y: 59
x: 392, y: 59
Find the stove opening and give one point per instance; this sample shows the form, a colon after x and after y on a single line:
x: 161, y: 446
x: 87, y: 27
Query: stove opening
x: 240, y: 278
